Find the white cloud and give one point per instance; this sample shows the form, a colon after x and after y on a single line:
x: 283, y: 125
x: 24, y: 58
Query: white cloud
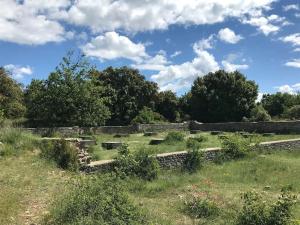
x: 230, y: 67
x: 18, y: 72
x: 228, y: 35
x: 178, y: 77
x: 27, y: 23
x: 296, y: 50
x: 156, y: 63
x: 176, y: 54
x: 297, y: 15
x: 111, y: 45
x: 263, y: 24
x: 293, y: 63
x: 291, y: 89
x: 294, y: 39
x: 142, y: 15
x: 291, y: 7
x: 259, y: 97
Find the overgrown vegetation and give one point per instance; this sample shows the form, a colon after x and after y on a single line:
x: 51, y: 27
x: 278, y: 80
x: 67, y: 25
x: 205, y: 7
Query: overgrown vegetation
x: 173, y: 137
x: 147, y: 116
x: 139, y: 164
x: 93, y: 201
x: 194, y: 161
x: 61, y: 152
x: 257, y: 210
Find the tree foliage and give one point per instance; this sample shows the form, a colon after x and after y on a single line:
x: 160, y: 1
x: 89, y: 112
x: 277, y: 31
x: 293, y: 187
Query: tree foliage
x: 222, y: 97
x: 130, y: 92
x: 70, y: 96
x: 168, y: 105
x: 11, y: 97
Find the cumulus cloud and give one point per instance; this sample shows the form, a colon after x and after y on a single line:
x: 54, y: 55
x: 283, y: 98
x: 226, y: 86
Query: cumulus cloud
x: 291, y: 89
x: 142, y: 15
x: 228, y: 35
x: 293, y: 63
x: 178, y: 77
x: 28, y: 23
x: 176, y: 54
x: 294, y: 39
x: 157, y: 63
x: 230, y: 67
x: 111, y: 45
x: 291, y: 7
x: 18, y: 72
x: 263, y: 24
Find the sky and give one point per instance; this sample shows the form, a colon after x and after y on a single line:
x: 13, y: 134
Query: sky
x: 170, y: 42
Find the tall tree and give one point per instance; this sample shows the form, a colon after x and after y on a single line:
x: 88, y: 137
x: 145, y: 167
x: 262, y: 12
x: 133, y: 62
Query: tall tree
x: 11, y: 96
x: 129, y: 94
x: 167, y: 105
x: 222, y: 97
x: 70, y: 96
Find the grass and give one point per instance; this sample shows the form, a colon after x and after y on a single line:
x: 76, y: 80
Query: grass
x: 137, y: 141
x: 224, y: 183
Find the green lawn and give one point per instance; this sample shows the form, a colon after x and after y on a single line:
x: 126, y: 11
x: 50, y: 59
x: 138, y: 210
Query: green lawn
x: 137, y: 141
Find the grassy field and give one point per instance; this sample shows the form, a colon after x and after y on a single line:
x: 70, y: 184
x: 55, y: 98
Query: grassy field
x: 137, y: 141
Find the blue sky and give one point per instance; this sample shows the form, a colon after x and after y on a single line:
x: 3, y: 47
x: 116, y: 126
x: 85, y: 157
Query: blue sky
x: 171, y: 42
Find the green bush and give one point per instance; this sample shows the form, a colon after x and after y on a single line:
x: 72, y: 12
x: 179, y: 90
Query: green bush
x: 147, y: 116
x: 61, y: 152
x: 293, y: 112
x: 200, y: 208
x: 195, y: 142
x: 174, y: 136
x: 258, y: 113
x: 194, y: 161
x: 234, y: 147
x: 256, y: 210
x: 140, y: 164
x: 15, y: 141
x: 95, y: 201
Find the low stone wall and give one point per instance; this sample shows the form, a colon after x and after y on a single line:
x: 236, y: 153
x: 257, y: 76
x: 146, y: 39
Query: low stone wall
x: 279, y: 127
x: 176, y: 159
x: 163, y: 127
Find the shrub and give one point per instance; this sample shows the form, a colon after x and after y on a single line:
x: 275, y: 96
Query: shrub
x: 258, y: 211
x: 200, y: 208
x: 234, y: 147
x: 259, y: 114
x: 194, y: 161
x: 62, y: 153
x: 195, y: 142
x: 147, y: 116
x: 174, y: 136
x: 95, y: 201
x: 140, y: 164
x: 15, y: 141
x: 293, y: 112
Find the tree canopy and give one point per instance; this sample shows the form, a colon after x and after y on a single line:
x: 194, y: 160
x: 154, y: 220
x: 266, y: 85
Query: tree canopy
x: 222, y: 97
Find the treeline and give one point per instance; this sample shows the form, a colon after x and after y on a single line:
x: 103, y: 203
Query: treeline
x: 77, y: 94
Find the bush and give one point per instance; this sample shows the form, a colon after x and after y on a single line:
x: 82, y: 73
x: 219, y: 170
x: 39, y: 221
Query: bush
x: 195, y: 142
x: 259, y: 114
x: 234, y: 147
x: 194, y: 161
x: 174, y: 136
x: 15, y: 141
x: 258, y: 211
x: 147, y: 116
x: 293, y: 112
x: 62, y: 153
x: 95, y: 201
x: 200, y: 208
x: 140, y: 164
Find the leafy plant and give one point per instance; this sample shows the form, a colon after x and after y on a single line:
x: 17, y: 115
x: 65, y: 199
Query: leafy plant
x: 62, y: 153
x: 95, y: 201
x: 147, y: 116
x: 195, y: 142
x: 194, y: 161
x: 258, y: 211
x: 174, y: 136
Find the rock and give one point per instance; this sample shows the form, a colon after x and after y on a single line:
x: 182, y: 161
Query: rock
x: 121, y: 135
x: 111, y: 145
x: 150, y: 134
x: 156, y: 141
x: 268, y: 134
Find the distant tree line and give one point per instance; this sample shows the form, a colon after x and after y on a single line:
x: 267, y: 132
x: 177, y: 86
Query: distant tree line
x: 77, y: 94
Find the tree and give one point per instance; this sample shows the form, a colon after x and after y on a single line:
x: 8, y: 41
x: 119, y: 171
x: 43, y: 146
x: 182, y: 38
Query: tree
x: 147, y: 116
x: 277, y: 104
x: 11, y: 96
x: 222, y: 97
x: 167, y: 105
x: 129, y: 94
x: 69, y: 97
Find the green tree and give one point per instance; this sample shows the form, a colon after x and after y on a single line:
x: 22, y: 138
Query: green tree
x: 11, y: 96
x: 167, y: 105
x: 222, y: 97
x: 70, y: 96
x: 277, y: 103
x: 130, y: 92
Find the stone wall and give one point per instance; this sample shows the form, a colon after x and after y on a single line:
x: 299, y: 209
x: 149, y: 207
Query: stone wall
x: 176, y: 159
x: 163, y: 127
x: 279, y: 127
